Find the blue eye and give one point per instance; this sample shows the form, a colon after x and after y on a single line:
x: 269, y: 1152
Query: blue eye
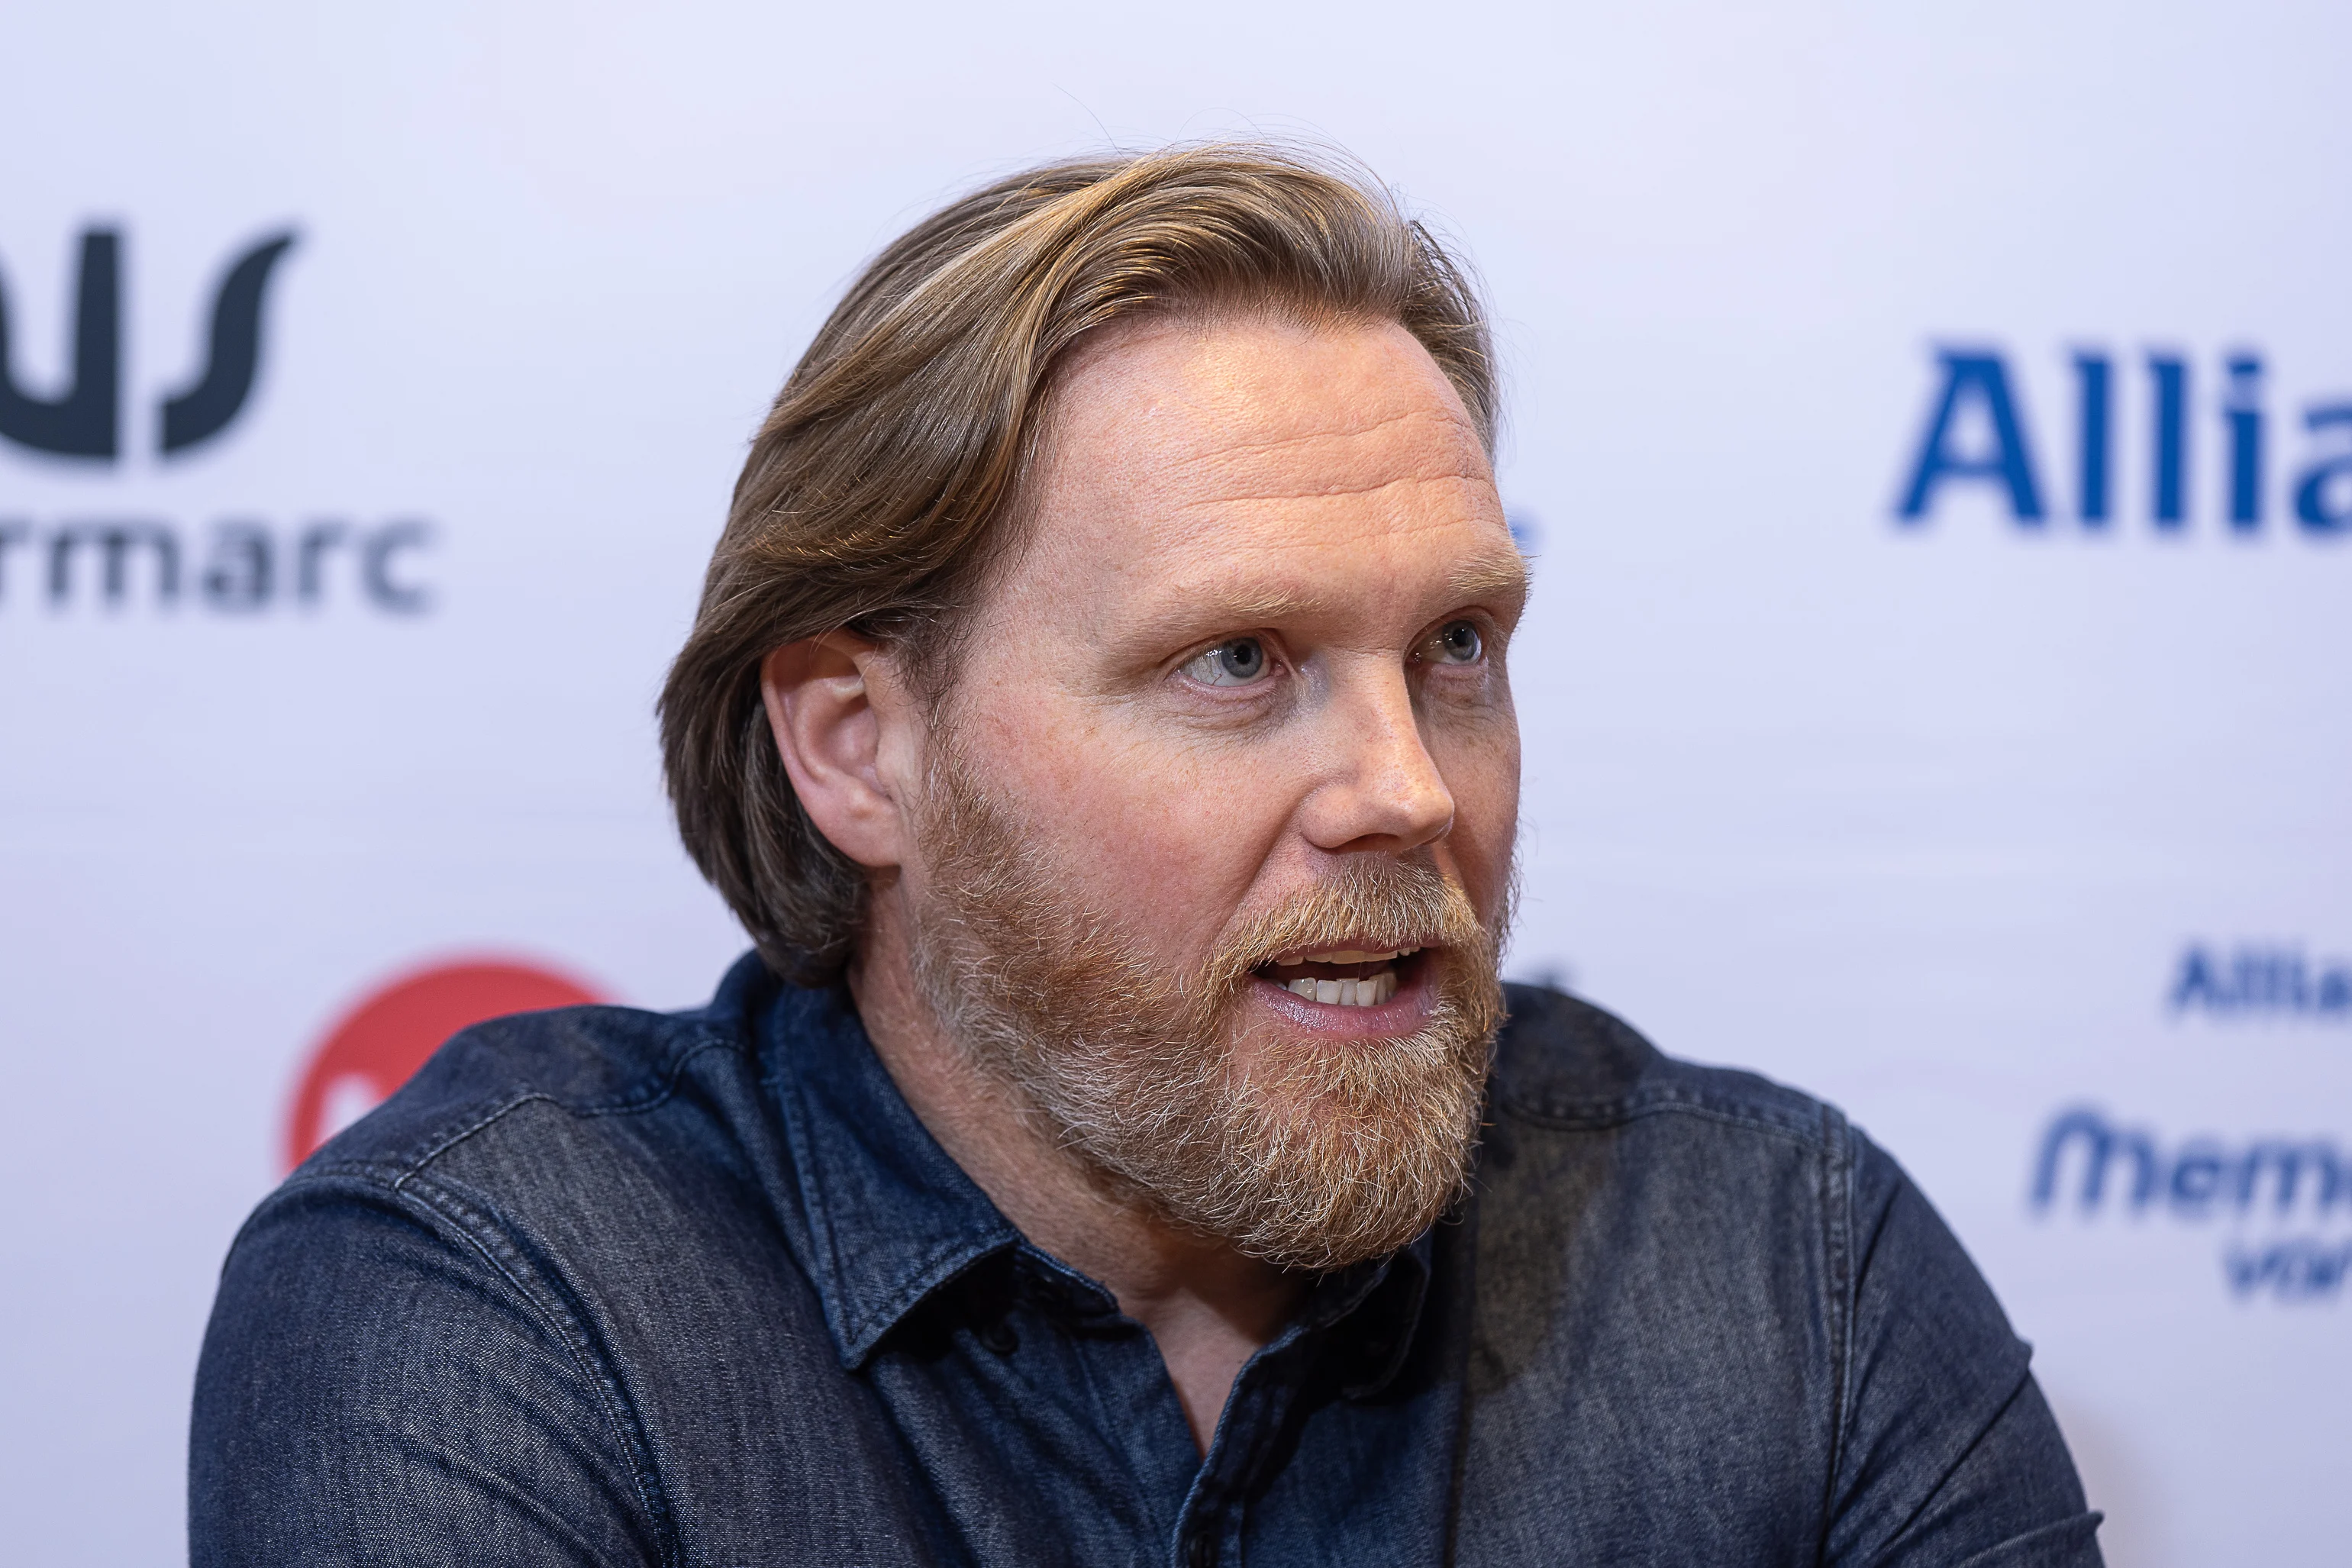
x: 1234, y: 663
x: 1457, y: 643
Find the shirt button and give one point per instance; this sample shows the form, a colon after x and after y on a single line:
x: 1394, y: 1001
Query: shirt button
x: 999, y: 1336
x: 1201, y: 1552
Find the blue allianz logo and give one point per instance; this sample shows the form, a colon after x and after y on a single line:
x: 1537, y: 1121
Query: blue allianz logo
x: 2260, y: 980
x: 2091, y: 1166
x: 1977, y: 435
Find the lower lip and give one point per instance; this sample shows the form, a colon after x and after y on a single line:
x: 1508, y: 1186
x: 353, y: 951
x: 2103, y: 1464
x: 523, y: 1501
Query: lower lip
x: 1400, y: 1014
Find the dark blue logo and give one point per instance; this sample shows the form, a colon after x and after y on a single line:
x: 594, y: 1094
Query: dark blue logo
x: 2093, y: 1165
x: 1976, y: 434
x: 2258, y: 980
x: 243, y: 563
x: 246, y: 566
x: 85, y: 419
x: 2201, y: 1178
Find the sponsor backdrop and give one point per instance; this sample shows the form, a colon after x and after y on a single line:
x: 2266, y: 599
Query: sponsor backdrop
x: 1933, y: 433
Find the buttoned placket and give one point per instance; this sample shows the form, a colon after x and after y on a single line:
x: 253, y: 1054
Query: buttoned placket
x: 1211, y: 1528
x: 1213, y: 1520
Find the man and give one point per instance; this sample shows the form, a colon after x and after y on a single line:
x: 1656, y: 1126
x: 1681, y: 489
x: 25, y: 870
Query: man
x: 1121, y: 1149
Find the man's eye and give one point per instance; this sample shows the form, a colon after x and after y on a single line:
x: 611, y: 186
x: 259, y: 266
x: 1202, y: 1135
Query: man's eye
x: 1234, y: 663
x: 1457, y: 643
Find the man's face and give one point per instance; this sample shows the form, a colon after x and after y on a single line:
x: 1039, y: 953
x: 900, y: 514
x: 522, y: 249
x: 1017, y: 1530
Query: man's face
x: 1230, y: 737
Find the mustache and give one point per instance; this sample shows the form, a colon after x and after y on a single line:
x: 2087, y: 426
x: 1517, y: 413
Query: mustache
x: 1368, y: 901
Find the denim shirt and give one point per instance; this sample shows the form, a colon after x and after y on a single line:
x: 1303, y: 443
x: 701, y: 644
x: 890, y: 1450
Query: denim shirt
x: 612, y: 1286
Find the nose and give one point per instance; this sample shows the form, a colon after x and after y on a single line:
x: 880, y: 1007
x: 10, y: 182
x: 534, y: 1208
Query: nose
x: 1382, y: 791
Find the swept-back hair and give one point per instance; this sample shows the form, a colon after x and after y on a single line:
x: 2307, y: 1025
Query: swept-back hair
x: 881, y: 484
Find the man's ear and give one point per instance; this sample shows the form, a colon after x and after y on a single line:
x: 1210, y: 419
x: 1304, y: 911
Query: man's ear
x: 836, y: 706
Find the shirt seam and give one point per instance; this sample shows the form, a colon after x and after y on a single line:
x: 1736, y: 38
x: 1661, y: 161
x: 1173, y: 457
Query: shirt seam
x: 1840, y: 1246
x: 440, y: 1203
x: 1602, y: 1116
x: 380, y: 1170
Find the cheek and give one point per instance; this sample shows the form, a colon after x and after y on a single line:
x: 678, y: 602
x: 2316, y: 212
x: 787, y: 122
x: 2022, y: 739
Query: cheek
x: 1165, y: 838
x: 1481, y: 766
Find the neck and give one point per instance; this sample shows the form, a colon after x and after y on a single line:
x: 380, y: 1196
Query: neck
x: 1207, y: 1307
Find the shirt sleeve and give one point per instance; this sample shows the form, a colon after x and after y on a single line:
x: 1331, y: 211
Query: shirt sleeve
x: 1947, y: 1454
x: 376, y: 1389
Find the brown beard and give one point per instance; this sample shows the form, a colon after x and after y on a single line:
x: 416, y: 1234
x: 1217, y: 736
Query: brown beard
x: 1315, y: 1154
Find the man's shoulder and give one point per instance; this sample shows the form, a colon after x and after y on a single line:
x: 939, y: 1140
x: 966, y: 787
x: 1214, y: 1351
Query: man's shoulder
x: 586, y: 1065
x: 584, y: 1155
x: 1565, y: 1065
x: 1757, y: 1308
x: 498, y: 1099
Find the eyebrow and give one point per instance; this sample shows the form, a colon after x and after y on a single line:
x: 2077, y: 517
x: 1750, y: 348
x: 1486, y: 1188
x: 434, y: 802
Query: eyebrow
x: 1489, y: 578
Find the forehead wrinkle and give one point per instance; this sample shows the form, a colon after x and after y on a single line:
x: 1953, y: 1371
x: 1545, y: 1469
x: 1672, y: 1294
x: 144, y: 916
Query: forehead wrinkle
x: 1309, y: 528
x: 1328, y: 462
x: 1230, y: 451
x: 1337, y: 490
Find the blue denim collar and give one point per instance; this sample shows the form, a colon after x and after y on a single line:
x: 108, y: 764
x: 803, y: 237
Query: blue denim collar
x: 892, y: 1218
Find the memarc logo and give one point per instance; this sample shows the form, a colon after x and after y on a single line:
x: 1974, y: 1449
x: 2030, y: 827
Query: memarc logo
x: 126, y: 550
x: 85, y: 420
x: 2247, y: 1189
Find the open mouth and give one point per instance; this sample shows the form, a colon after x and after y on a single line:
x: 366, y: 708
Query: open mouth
x: 1345, y: 977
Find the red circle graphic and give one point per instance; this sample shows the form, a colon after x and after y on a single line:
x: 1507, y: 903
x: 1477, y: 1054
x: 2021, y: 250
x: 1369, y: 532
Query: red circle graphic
x: 379, y: 1043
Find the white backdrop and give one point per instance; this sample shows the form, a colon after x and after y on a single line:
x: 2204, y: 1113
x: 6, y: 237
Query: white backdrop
x: 1966, y: 821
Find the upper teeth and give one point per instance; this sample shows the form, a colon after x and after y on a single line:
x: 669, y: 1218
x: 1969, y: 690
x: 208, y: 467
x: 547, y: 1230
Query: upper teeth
x: 1370, y: 992
x: 1351, y: 956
